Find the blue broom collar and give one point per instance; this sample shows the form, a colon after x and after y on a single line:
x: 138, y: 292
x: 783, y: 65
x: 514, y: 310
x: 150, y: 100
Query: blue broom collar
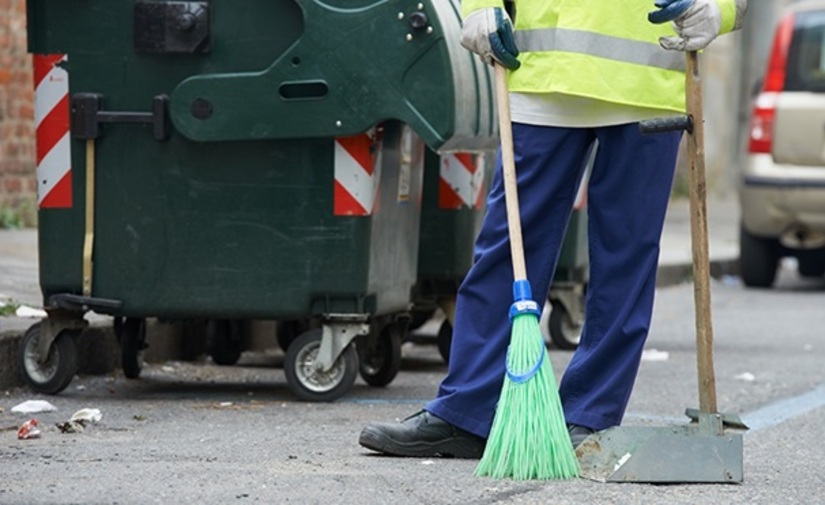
x: 523, y: 300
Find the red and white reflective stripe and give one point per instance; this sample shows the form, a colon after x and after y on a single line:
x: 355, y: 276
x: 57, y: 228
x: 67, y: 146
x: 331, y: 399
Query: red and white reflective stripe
x: 51, y: 117
x: 357, y: 175
x: 461, y: 181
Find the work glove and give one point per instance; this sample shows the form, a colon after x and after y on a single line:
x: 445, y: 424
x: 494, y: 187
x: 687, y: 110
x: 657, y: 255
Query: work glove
x: 489, y: 33
x: 696, y: 22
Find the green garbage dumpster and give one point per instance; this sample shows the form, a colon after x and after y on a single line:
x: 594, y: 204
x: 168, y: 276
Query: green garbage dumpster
x: 212, y: 160
x: 455, y: 190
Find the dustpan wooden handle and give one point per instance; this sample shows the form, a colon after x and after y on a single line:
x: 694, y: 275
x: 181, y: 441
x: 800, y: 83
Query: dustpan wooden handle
x: 509, y: 172
x: 699, y: 238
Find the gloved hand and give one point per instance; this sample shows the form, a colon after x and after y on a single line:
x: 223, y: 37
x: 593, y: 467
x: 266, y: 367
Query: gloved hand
x: 697, y: 23
x: 489, y: 33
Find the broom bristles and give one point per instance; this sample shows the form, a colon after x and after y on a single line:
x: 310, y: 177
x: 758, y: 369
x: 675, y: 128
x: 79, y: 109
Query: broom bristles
x: 529, y: 438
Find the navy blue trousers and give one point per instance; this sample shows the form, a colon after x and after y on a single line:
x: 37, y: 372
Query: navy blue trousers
x: 627, y: 197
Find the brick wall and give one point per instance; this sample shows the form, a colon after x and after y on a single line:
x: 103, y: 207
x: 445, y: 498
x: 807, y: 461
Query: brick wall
x: 17, y: 150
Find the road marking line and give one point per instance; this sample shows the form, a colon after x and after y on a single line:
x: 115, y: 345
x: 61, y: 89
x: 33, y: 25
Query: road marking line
x: 783, y: 410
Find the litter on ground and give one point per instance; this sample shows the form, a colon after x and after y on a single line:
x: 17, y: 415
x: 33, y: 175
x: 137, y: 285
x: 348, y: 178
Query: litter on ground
x: 33, y: 407
x: 28, y: 430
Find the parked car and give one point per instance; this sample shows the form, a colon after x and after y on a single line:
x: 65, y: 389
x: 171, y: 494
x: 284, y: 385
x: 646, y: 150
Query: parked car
x: 782, y: 189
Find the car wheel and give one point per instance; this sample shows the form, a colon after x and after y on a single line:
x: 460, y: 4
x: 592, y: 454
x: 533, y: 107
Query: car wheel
x: 758, y: 259
x: 811, y: 263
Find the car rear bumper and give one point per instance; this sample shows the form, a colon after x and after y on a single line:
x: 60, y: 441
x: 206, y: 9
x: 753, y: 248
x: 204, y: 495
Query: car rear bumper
x: 781, y: 199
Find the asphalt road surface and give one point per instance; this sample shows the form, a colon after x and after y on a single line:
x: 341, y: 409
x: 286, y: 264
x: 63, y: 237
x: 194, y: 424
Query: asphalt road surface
x: 195, y: 432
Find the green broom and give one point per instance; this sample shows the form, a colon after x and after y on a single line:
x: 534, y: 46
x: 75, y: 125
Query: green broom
x: 529, y: 438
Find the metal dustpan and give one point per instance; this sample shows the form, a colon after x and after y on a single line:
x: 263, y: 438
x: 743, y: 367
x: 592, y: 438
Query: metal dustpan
x: 706, y: 451
x: 709, y: 448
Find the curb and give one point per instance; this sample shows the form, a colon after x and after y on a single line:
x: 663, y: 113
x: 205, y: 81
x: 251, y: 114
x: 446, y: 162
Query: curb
x: 673, y: 274
x: 98, y: 352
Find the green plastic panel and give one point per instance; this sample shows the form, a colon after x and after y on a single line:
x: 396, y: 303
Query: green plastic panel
x: 223, y: 229
x: 355, y: 64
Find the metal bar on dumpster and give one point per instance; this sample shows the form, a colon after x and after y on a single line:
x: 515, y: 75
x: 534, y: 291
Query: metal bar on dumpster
x: 89, y: 236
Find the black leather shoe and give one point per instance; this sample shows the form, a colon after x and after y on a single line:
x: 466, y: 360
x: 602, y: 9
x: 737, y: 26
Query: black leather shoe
x: 578, y: 433
x: 422, y: 435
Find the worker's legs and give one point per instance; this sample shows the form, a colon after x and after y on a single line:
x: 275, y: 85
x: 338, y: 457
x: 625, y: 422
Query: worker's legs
x: 627, y: 200
x: 549, y: 164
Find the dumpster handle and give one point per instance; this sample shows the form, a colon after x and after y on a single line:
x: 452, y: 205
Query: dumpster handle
x: 89, y: 237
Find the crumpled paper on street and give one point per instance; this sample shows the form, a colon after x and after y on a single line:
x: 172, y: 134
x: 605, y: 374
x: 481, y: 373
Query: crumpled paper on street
x: 77, y: 423
x: 26, y: 311
x: 655, y: 355
x: 33, y: 407
x: 746, y: 377
x: 87, y: 416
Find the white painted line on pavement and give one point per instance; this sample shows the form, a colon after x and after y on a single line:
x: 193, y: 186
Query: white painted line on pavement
x: 780, y: 411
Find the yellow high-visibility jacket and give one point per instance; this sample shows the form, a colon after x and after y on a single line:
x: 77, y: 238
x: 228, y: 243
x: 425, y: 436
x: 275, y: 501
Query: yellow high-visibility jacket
x: 601, y: 49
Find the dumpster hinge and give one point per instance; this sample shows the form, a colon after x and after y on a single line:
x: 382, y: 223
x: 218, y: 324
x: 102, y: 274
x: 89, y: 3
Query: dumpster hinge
x: 171, y: 27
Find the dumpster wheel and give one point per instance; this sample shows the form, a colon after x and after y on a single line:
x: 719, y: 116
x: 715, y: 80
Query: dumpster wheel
x: 224, y: 340
x: 60, y: 367
x: 444, y: 340
x: 380, y: 355
x: 311, y: 384
x: 131, y: 333
x: 564, y: 332
x: 287, y: 331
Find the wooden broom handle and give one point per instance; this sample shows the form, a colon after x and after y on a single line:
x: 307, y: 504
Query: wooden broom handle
x: 509, y: 172
x: 699, y: 238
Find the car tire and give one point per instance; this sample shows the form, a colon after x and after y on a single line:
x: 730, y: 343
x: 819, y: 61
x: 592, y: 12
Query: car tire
x: 811, y: 263
x: 758, y: 259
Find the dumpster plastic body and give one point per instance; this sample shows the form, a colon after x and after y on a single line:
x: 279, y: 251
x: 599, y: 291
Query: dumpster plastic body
x: 455, y: 191
x: 234, y: 162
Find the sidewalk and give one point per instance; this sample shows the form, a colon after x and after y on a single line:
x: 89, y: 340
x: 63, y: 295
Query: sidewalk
x: 19, y: 267
x: 675, y: 258
x: 18, y: 274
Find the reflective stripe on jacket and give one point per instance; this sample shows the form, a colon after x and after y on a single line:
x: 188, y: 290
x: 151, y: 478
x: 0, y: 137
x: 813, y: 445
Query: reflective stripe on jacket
x: 606, y: 50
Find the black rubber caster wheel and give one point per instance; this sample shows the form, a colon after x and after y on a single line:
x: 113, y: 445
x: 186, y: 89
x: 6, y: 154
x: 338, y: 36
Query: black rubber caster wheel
x: 55, y: 374
x: 307, y: 381
x: 131, y: 334
x: 564, y: 332
x: 380, y: 356
x: 444, y: 340
x: 224, y: 341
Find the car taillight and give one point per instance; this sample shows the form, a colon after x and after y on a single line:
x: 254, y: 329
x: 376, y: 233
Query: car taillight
x: 761, y: 131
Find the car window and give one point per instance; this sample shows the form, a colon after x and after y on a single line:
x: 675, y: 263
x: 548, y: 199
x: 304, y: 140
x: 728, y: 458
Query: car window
x: 806, y: 58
